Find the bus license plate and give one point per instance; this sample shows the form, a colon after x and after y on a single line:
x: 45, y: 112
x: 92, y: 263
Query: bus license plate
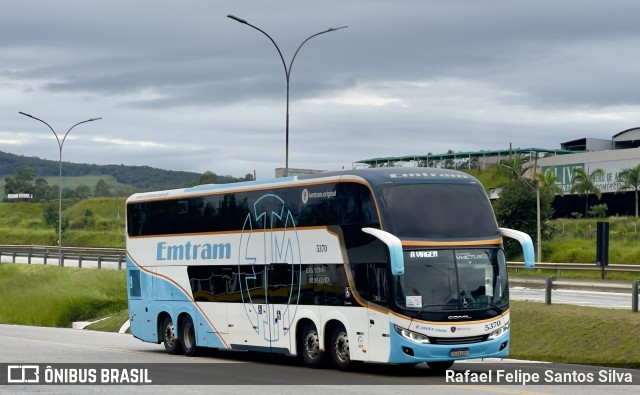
x: 459, y: 352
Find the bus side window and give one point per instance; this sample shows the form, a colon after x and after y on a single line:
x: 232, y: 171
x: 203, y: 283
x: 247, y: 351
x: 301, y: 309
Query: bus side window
x: 371, y: 282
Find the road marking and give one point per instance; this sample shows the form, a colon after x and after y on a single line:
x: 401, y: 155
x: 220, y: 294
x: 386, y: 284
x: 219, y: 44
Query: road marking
x: 120, y: 350
x: 85, y: 346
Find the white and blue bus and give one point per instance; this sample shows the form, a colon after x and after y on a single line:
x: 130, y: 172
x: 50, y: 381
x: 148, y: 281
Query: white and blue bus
x: 391, y: 265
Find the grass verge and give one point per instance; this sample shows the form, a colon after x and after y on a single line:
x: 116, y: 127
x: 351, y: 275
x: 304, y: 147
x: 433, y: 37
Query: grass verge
x: 574, y: 334
x: 45, y: 295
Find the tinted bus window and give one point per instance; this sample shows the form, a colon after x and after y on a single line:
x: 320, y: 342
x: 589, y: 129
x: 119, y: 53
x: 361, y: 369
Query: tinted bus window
x: 438, y: 211
x: 314, y: 205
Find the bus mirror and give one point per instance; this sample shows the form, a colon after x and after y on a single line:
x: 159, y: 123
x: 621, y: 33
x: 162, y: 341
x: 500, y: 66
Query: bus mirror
x: 525, y: 242
x: 395, y: 249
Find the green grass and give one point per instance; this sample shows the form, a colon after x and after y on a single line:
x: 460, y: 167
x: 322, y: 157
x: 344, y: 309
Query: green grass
x: 43, y: 295
x: 95, y: 222
x: 111, y: 323
x: 573, y: 334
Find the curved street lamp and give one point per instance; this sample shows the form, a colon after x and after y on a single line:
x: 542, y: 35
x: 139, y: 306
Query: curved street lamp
x: 60, y: 144
x: 287, y: 72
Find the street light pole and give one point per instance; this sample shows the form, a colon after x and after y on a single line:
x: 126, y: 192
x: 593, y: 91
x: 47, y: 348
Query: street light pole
x: 60, y: 144
x: 538, y: 231
x: 287, y: 73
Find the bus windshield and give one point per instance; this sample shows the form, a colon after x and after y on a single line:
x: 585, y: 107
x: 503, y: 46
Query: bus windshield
x: 436, y: 280
x: 438, y: 211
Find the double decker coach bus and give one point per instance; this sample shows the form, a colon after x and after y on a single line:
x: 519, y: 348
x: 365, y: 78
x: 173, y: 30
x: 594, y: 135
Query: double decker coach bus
x: 391, y: 265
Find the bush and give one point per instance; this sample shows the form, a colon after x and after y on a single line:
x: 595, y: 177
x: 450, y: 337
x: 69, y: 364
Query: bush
x: 598, y: 211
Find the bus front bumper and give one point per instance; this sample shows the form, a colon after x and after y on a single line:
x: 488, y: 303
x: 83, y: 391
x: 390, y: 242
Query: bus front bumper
x: 406, y: 351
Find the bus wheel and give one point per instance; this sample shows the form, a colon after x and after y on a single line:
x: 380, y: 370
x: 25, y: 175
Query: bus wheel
x: 440, y: 366
x: 310, y: 347
x: 171, y: 343
x: 340, y: 348
x: 188, y: 337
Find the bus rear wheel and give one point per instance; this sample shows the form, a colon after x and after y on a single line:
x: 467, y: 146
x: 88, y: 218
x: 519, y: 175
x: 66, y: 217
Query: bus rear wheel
x: 340, y: 348
x: 312, y: 356
x: 188, y: 337
x: 171, y: 342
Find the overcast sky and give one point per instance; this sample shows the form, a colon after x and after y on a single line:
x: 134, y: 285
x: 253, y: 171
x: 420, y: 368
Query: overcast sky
x: 182, y: 87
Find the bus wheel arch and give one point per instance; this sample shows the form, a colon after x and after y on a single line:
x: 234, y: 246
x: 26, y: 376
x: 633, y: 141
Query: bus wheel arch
x: 337, y: 344
x: 187, y: 335
x: 168, y: 333
x: 309, y: 344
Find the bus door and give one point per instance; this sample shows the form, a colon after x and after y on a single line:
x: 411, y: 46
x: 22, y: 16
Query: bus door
x: 378, y: 315
x: 282, y: 296
x: 371, y: 280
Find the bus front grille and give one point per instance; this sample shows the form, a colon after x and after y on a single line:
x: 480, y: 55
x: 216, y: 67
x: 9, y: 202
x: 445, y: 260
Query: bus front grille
x: 457, y: 340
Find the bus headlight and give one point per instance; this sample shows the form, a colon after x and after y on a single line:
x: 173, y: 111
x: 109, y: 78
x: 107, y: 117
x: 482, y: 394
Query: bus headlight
x: 499, y: 332
x: 410, y: 335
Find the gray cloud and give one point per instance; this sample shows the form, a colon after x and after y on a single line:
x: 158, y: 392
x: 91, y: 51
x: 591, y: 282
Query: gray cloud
x: 405, y: 77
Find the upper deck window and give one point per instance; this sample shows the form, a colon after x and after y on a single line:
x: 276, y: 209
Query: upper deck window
x: 438, y: 211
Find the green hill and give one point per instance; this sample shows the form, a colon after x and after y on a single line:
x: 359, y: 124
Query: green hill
x: 143, y: 178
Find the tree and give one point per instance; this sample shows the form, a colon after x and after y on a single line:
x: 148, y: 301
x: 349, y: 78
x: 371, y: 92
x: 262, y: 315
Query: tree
x: 630, y: 179
x: 516, y: 209
x: 41, y: 190
x: 208, y: 177
x: 102, y: 189
x: 50, y: 215
x: 82, y: 192
x: 21, y: 182
x: 448, y: 163
x: 513, y: 167
x: 548, y: 184
x: 584, y: 185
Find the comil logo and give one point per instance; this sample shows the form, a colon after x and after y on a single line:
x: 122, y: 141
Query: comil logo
x: 23, y: 374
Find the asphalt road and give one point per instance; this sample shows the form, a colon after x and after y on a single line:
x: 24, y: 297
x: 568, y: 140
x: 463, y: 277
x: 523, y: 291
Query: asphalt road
x: 225, y: 372
x: 611, y: 300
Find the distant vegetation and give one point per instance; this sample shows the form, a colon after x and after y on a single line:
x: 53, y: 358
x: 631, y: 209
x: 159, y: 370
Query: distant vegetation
x: 95, y: 222
x: 100, y: 222
x: 96, y: 218
x: 125, y: 178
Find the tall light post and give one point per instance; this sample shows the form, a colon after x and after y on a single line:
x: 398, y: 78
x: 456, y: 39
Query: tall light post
x: 60, y: 144
x: 287, y: 72
x: 537, y: 191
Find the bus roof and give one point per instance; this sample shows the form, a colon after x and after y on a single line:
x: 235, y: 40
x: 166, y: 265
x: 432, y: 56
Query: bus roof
x: 379, y: 175
x: 373, y: 176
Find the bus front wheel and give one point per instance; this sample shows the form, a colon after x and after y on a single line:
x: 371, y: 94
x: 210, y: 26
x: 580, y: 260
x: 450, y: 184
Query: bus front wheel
x: 340, y: 348
x: 171, y: 343
x: 312, y: 356
x: 188, y: 337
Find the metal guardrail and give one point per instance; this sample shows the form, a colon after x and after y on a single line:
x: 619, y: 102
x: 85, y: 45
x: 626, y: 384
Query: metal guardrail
x: 118, y: 255
x: 626, y: 287
x: 49, y: 254
x: 560, y: 267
